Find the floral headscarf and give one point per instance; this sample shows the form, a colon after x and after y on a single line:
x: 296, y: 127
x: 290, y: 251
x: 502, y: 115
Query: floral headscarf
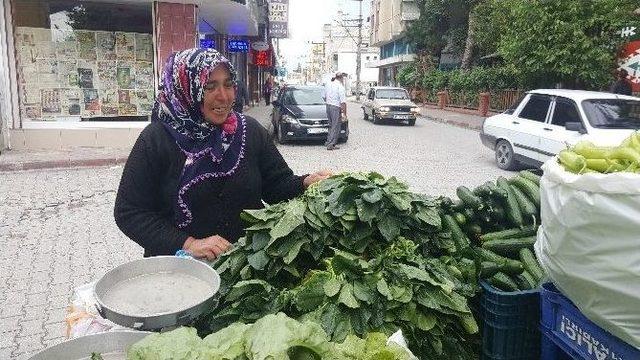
x: 212, y: 151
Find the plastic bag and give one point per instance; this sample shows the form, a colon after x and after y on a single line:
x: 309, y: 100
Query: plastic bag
x: 589, y: 244
x: 398, y: 338
x: 82, y: 317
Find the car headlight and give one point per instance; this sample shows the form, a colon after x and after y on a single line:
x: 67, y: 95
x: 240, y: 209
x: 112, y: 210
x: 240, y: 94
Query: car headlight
x: 384, y: 108
x: 290, y: 119
x: 415, y: 109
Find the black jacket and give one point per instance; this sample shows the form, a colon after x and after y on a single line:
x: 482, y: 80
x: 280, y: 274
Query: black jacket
x: 146, y: 200
x: 622, y: 87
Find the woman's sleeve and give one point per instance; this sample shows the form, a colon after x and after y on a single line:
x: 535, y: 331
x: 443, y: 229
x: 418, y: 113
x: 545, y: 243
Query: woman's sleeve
x: 137, y: 211
x: 278, y: 181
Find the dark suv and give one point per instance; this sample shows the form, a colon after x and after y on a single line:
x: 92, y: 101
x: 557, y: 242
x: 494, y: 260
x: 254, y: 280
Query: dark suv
x: 300, y: 113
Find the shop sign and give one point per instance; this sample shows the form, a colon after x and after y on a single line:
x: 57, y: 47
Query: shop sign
x: 261, y: 58
x: 259, y: 45
x: 238, y: 46
x: 278, y: 18
x: 207, y: 43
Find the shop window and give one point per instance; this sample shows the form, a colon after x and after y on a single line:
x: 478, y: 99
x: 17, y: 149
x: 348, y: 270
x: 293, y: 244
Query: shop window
x: 84, y: 61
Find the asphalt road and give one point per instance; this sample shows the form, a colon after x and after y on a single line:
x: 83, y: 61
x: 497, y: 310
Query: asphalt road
x: 58, y: 232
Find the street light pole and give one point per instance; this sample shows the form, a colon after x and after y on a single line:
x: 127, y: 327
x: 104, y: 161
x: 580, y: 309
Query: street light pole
x: 359, y: 53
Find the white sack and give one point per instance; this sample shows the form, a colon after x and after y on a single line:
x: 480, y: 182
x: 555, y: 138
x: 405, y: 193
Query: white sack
x: 589, y: 245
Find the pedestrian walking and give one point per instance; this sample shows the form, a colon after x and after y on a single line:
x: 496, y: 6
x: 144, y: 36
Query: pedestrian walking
x: 266, y: 90
x: 336, y: 102
x: 242, y: 98
x: 199, y: 164
x: 622, y: 86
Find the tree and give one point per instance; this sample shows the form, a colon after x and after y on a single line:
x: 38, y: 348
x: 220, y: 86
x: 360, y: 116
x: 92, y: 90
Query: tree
x: 571, y: 42
x: 442, y: 24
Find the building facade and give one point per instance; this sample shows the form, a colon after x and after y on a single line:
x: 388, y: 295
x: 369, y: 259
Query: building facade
x: 388, y: 22
x: 338, y: 52
x: 85, y: 73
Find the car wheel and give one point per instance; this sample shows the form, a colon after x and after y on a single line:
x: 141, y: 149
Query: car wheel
x: 366, y: 117
x: 505, y: 158
x: 374, y: 118
x: 280, y: 135
x: 412, y: 122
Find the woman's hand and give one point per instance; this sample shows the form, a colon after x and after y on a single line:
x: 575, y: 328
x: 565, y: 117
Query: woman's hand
x: 315, y: 177
x: 210, y: 247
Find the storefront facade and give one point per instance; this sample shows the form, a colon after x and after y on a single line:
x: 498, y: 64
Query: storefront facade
x: 85, y: 73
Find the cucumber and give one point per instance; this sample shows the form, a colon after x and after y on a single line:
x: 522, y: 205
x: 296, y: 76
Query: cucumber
x: 474, y: 230
x: 530, y: 176
x: 468, y: 197
x: 488, y: 269
x: 527, y: 208
x: 468, y: 213
x: 511, y: 204
x: 499, y: 192
x: 512, y: 267
x: 482, y: 191
x: 507, y: 265
x: 525, y: 281
x: 502, y: 282
x: 459, y: 238
x: 459, y: 218
x: 446, y: 203
x: 529, y: 188
x: 507, y: 247
x: 510, y: 233
x: 531, y: 265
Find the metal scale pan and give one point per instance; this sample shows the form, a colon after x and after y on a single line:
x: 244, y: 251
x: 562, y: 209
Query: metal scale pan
x: 157, y: 293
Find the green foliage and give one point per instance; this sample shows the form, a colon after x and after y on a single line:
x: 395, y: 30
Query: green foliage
x: 357, y: 253
x: 571, y: 41
x: 473, y: 80
x: 441, y: 23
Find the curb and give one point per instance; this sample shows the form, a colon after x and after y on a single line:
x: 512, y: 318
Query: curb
x: 460, y: 124
x: 55, y: 164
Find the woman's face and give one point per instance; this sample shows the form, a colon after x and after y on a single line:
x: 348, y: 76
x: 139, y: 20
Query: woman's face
x: 219, y: 95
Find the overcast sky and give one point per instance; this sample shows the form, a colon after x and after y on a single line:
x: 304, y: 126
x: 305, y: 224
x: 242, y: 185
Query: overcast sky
x: 306, y: 18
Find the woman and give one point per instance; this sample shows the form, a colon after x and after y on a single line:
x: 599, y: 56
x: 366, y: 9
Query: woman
x: 199, y: 164
x: 266, y: 90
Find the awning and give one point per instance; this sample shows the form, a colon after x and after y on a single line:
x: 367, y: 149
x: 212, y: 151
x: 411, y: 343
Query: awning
x: 394, y: 60
x: 225, y: 16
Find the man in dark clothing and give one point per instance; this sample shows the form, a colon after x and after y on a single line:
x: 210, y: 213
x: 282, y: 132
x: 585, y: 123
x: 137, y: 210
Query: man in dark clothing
x: 242, y: 98
x: 622, y: 86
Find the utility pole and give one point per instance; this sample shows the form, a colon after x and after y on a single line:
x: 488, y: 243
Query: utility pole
x: 359, y: 53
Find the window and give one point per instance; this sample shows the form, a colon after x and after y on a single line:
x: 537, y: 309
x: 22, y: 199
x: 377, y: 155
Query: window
x: 391, y: 94
x: 81, y: 60
x: 564, y: 112
x: 536, y: 108
x: 613, y: 113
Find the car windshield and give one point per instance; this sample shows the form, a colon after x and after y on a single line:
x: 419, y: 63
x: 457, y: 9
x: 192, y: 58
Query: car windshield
x: 613, y: 113
x: 303, y: 96
x: 391, y: 94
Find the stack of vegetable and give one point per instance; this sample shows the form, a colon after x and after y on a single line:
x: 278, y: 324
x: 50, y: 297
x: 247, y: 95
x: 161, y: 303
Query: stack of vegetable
x: 271, y: 337
x: 585, y: 157
x: 357, y: 253
x: 499, y: 220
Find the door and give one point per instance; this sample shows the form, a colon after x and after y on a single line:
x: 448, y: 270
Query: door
x: 277, y: 110
x: 528, y: 126
x: 555, y: 135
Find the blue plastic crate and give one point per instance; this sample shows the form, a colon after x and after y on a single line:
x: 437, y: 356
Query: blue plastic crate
x: 564, y: 326
x: 510, y: 324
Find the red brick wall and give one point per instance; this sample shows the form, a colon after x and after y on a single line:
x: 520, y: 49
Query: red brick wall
x: 176, y: 29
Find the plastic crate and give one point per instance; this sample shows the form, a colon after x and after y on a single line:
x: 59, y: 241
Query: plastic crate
x: 510, y: 324
x: 569, y: 333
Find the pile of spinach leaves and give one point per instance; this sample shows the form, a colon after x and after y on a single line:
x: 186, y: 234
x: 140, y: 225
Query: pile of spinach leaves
x: 357, y: 253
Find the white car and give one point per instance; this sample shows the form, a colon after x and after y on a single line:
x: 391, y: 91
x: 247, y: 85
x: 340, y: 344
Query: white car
x: 544, y: 122
x: 389, y: 103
